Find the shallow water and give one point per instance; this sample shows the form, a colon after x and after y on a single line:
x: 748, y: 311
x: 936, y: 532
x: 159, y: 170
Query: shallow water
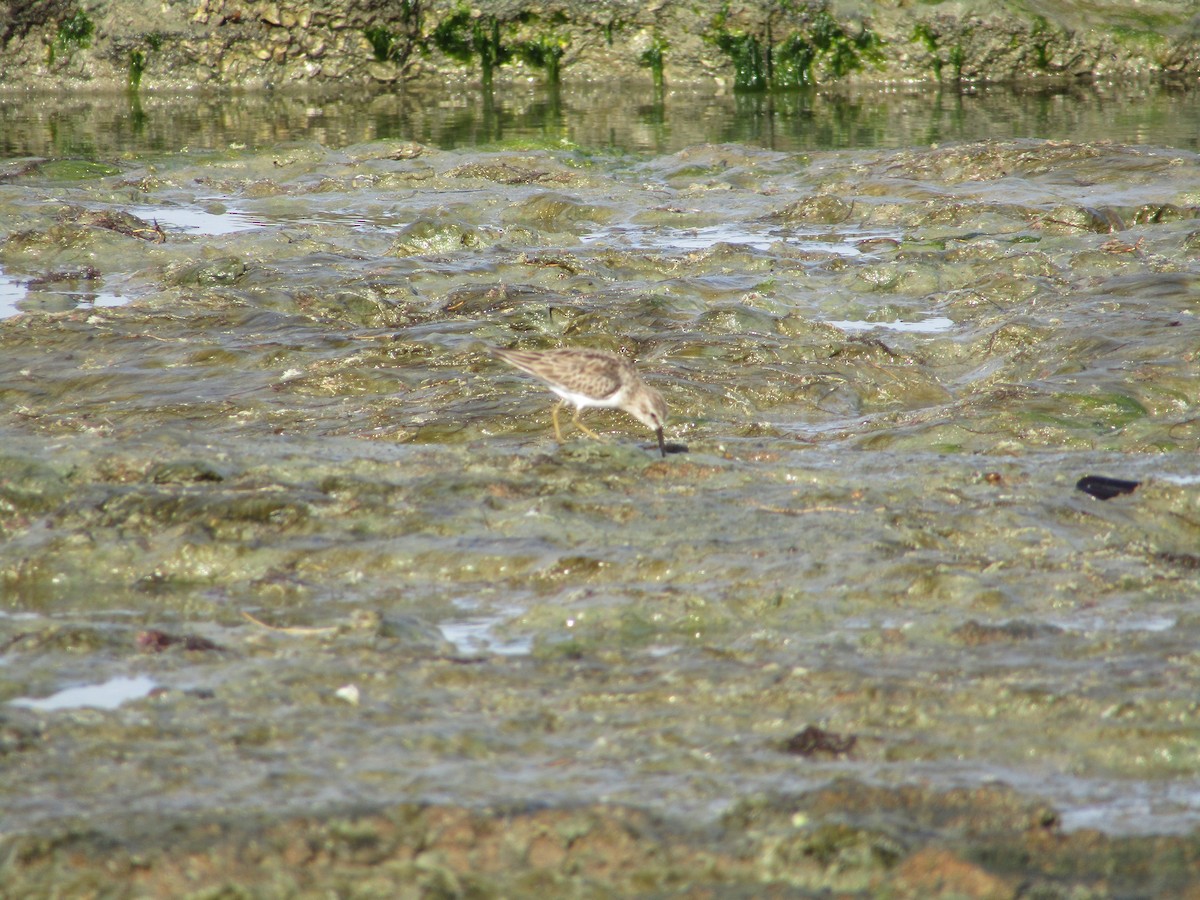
x: 108, y: 695
x: 890, y: 366
x: 632, y: 119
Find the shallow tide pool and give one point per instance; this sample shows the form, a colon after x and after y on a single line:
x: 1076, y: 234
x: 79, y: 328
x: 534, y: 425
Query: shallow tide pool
x: 260, y: 466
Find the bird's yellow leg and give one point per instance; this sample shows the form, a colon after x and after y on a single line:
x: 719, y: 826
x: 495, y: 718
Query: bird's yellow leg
x: 554, y: 416
x: 584, y: 428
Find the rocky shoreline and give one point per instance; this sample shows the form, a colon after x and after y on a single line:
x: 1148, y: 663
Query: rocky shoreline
x: 749, y: 46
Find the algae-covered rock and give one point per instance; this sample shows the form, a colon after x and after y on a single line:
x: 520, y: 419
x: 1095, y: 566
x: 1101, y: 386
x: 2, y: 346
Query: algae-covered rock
x: 752, y: 46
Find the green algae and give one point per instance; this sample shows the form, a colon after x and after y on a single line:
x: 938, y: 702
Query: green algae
x: 384, y: 43
x: 467, y: 38
x: 400, y: 37
x: 654, y: 57
x: 749, y: 62
x: 844, y: 52
x: 74, y: 33
x: 137, y: 67
x: 545, y: 52
x: 761, y: 63
x: 927, y: 35
x: 793, y: 63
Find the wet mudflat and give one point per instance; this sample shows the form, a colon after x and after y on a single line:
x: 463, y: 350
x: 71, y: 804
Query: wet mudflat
x: 355, y: 621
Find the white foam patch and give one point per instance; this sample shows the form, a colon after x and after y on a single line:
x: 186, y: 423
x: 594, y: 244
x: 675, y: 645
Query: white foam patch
x: 933, y: 325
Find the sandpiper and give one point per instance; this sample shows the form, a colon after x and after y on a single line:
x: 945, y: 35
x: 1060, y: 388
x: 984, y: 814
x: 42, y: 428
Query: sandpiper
x: 592, y: 378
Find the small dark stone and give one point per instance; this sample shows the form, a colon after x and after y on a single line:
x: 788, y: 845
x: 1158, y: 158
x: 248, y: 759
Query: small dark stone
x: 1104, y: 488
x: 813, y: 741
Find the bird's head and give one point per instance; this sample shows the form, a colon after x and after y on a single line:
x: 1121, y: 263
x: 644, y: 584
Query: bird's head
x: 651, y: 410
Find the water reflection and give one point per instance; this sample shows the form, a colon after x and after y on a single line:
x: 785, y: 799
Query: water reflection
x: 55, y: 292
x: 636, y: 120
x: 107, y: 695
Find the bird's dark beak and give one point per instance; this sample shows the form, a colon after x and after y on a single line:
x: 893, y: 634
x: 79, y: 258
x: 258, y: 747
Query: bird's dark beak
x: 662, y: 448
